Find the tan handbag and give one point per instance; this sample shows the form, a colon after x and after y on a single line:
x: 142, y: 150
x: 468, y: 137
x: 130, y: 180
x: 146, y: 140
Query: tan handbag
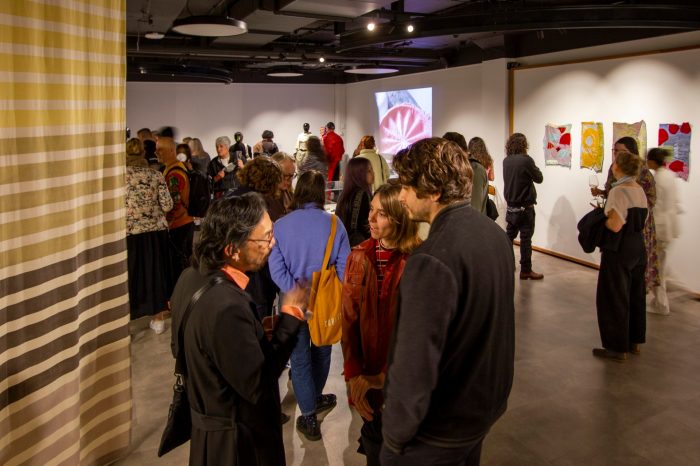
x: 326, y: 324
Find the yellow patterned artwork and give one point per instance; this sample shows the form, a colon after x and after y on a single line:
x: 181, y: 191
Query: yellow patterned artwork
x: 592, y: 146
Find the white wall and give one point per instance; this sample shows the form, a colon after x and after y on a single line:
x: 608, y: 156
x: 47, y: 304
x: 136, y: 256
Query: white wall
x: 471, y: 100
x: 207, y: 111
x: 659, y: 88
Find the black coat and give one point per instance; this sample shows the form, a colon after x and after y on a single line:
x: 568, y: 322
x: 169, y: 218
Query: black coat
x: 451, y: 357
x: 591, y: 228
x: 232, y: 373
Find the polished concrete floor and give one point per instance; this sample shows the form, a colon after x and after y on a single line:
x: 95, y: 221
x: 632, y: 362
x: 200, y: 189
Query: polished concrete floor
x: 566, y: 407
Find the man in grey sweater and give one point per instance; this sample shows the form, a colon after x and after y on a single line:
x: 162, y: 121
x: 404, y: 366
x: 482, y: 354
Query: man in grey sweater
x: 450, y: 367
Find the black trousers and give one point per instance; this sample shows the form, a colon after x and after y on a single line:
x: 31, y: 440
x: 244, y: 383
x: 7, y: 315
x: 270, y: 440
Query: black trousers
x: 180, y: 246
x: 522, y: 222
x: 371, y: 440
x: 620, y: 296
x: 421, y: 454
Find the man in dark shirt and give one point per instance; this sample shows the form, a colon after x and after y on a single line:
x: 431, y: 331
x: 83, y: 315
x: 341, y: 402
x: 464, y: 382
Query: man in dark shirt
x: 520, y: 175
x: 450, y: 366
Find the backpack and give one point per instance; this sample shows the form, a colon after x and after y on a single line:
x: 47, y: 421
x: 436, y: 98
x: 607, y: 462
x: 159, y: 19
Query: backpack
x: 200, y: 193
x: 326, y: 324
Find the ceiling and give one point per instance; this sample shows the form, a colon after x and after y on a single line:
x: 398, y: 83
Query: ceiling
x: 292, y: 35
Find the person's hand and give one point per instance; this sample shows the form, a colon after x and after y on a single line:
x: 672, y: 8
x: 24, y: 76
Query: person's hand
x: 221, y: 174
x: 240, y: 163
x: 297, y: 297
x: 358, y: 390
x: 230, y: 167
x: 597, y: 192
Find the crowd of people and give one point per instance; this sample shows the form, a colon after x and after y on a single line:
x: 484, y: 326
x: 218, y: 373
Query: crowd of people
x: 428, y: 322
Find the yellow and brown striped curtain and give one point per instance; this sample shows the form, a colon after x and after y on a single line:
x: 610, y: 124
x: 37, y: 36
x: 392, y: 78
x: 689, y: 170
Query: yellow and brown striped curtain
x: 65, y: 384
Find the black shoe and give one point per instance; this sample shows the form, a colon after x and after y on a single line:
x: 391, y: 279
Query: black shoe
x: 308, y: 425
x: 284, y: 418
x: 325, y: 403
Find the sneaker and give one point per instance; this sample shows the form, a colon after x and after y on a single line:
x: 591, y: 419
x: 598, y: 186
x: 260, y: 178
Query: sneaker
x: 308, y: 426
x: 157, y: 326
x: 325, y: 403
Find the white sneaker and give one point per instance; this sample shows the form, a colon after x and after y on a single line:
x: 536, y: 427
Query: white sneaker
x: 158, y: 326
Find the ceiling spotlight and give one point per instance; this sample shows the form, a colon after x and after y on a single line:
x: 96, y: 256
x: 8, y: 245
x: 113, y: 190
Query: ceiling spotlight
x: 409, y: 28
x: 371, y: 26
x: 322, y: 60
x: 142, y: 70
x: 209, y: 26
x: 154, y: 35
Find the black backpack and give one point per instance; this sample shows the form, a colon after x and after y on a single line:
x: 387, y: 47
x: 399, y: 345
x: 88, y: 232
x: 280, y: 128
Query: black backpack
x: 200, y: 193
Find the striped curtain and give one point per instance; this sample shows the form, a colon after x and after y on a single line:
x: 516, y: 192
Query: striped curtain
x: 65, y: 383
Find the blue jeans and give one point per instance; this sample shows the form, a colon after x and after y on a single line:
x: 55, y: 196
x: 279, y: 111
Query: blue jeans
x: 310, y: 366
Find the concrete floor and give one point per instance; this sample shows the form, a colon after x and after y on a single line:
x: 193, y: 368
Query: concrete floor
x: 566, y: 407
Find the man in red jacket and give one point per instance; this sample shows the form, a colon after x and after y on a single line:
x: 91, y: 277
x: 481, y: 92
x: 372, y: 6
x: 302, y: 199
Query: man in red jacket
x: 333, y: 145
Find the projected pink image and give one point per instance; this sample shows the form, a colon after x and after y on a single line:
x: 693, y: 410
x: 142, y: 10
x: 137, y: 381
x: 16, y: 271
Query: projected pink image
x: 405, y: 117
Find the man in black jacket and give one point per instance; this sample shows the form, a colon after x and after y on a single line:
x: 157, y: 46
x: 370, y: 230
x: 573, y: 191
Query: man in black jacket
x: 451, y: 358
x: 520, y: 175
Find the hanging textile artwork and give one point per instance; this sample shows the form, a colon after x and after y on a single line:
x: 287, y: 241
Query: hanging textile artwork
x: 557, y: 145
x: 676, y: 139
x: 592, y: 146
x: 638, y: 131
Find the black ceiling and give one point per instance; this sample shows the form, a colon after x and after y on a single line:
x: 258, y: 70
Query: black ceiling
x: 291, y: 35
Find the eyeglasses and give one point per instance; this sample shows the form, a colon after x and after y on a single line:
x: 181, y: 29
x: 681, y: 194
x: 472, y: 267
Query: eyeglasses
x: 290, y: 177
x: 267, y: 240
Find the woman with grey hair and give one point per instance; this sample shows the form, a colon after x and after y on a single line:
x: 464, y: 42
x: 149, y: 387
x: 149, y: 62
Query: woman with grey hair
x: 222, y: 170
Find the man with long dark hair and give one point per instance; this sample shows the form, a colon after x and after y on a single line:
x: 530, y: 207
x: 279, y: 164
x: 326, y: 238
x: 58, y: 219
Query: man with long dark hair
x: 519, y: 176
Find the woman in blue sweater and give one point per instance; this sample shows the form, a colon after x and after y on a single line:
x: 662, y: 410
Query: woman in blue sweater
x: 300, y: 238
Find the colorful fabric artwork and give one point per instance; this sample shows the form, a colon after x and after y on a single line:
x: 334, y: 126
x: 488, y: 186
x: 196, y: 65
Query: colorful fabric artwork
x: 592, y: 152
x: 636, y: 130
x: 557, y: 145
x: 676, y: 139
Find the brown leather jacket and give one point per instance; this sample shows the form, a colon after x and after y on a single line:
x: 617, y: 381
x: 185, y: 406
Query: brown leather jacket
x: 368, y: 313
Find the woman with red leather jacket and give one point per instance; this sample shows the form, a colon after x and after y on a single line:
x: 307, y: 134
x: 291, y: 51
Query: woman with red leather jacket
x: 370, y: 297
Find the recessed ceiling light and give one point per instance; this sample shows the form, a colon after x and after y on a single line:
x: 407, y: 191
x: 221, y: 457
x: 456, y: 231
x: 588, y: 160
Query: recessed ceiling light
x: 371, y: 70
x: 371, y: 26
x: 209, y: 26
x: 322, y: 60
x: 154, y: 35
x: 284, y: 74
x: 409, y: 28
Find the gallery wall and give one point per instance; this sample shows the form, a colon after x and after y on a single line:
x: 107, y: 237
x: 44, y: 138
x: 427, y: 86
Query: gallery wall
x: 656, y: 88
x: 208, y: 111
x: 471, y: 100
